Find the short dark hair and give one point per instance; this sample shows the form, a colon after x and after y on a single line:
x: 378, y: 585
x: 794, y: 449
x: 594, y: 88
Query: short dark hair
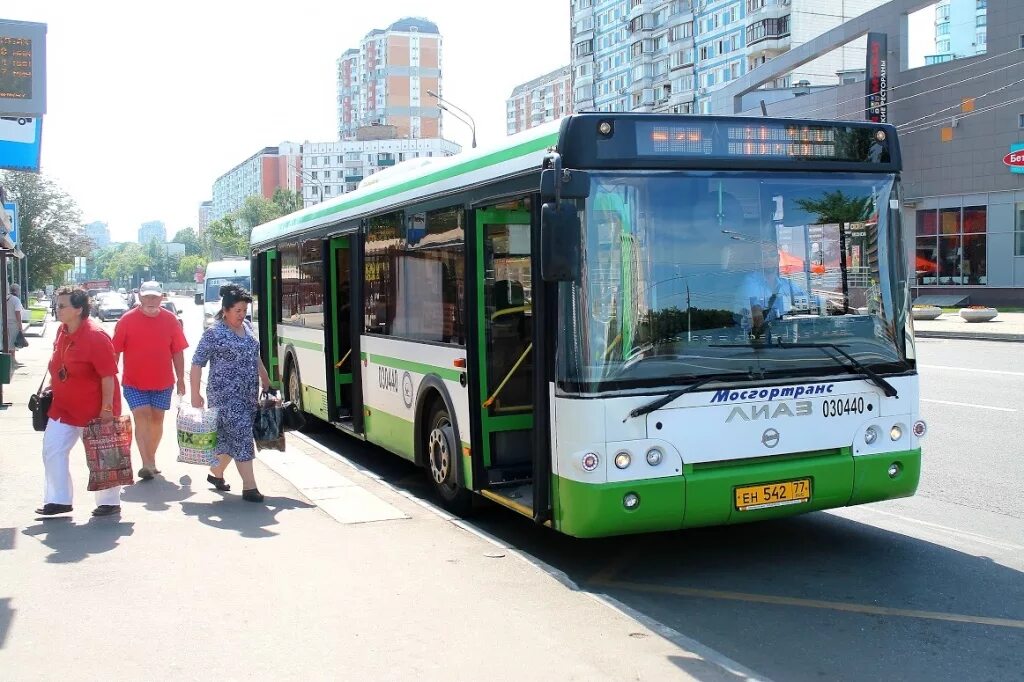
x: 230, y: 295
x: 78, y: 297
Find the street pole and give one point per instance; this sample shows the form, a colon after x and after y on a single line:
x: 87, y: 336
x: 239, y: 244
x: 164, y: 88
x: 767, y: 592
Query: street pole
x: 441, y: 102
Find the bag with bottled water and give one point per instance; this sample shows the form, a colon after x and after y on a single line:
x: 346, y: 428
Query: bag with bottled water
x: 197, y: 435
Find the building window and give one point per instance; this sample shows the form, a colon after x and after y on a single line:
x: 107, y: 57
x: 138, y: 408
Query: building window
x: 1020, y: 120
x: 981, y: 20
x: 942, y: 29
x: 585, y: 47
x: 1018, y: 229
x: 770, y: 28
x: 951, y: 246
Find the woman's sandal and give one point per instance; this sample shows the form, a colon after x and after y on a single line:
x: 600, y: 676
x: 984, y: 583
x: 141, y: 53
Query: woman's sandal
x: 217, y: 483
x: 252, y: 495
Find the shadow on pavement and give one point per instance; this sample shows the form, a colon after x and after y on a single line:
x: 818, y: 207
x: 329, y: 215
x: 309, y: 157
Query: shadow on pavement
x: 158, y: 492
x: 6, y: 616
x: 248, y: 519
x: 72, y: 542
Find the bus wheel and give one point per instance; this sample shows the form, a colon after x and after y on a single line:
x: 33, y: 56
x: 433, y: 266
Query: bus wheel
x: 441, y: 460
x: 293, y: 393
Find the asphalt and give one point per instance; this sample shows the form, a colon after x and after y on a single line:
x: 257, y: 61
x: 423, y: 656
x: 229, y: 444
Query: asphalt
x: 1005, y: 327
x: 336, y: 576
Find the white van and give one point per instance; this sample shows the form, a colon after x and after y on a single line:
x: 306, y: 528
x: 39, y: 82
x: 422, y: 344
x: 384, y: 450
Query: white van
x: 219, y: 273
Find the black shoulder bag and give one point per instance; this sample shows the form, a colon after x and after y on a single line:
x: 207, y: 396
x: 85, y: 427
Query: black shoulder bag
x: 39, y: 405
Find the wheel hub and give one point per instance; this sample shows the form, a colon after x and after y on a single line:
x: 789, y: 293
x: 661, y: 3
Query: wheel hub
x: 440, y: 454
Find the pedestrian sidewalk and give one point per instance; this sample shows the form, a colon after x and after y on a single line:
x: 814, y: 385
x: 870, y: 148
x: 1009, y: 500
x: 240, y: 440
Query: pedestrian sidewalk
x: 335, y: 577
x: 1006, y: 327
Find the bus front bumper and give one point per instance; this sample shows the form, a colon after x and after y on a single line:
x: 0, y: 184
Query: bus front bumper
x: 705, y: 495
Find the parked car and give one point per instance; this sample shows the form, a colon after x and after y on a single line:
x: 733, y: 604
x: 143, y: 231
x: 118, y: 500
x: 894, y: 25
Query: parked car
x: 169, y: 305
x: 110, y: 306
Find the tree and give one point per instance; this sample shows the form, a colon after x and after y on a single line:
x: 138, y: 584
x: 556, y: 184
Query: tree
x: 188, y: 237
x: 129, y: 262
x: 286, y: 200
x: 255, y: 211
x: 188, y: 265
x: 225, y: 237
x: 836, y: 207
x: 49, y: 225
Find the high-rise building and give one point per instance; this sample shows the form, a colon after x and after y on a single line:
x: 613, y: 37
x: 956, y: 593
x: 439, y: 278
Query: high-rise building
x: 154, y: 229
x: 259, y: 175
x: 385, y: 80
x: 98, y: 233
x: 668, y: 55
x: 961, y: 30
x: 333, y: 168
x: 540, y: 100
x: 205, y: 208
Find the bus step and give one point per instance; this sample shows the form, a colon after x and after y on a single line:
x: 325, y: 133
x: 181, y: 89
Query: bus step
x: 497, y: 478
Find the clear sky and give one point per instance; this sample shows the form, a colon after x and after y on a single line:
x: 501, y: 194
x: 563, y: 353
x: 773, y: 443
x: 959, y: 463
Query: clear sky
x: 149, y: 102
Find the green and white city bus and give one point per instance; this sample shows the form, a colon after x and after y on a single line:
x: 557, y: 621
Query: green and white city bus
x: 618, y: 323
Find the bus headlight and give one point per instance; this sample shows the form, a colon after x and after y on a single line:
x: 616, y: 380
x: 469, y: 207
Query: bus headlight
x: 896, y: 432
x: 623, y: 459
x: 920, y: 428
x: 871, y: 435
x: 590, y: 461
x: 654, y: 457
x: 631, y: 501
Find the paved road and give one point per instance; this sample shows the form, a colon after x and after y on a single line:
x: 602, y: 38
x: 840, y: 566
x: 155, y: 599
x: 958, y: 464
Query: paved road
x: 920, y: 589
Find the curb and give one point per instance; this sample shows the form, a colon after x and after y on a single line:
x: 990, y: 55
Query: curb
x: 970, y: 336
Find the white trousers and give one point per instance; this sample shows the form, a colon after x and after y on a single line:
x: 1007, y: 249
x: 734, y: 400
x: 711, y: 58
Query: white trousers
x: 58, y: 439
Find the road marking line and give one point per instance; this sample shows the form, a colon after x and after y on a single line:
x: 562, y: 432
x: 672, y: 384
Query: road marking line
x: 968, y: 369
x: 814, y: 604
x: 962, y: 534
x: 980, y: 407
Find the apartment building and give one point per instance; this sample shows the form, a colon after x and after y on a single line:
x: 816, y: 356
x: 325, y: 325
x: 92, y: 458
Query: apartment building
x: 98, y: 233
x: 205, y: 209
x: 333, y: 168
x: 669, y: 55
x: 961, y: 30
x: 385, y: 80
x: 259, y: 175
x: 540, y: 100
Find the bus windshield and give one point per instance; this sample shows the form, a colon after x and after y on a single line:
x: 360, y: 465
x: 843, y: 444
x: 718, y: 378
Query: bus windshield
x: 213, y: 285
x: 745, y: 274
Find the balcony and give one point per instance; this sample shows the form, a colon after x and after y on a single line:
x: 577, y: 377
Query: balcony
x: 767, y: 9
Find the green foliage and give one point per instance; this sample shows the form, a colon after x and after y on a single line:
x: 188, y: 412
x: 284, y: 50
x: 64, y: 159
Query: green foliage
x: 255, y: 211
x: 188, y: 237
x: 286, y: 200
x: 226, y: 237
x: 836, y: 207
x: 50, y: 226
x: 187, y: 266
x: 131, y: 260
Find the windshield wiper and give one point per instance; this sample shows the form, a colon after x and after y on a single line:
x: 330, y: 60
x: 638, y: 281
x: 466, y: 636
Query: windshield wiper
x: 855, y: 366
x: 669, y: 397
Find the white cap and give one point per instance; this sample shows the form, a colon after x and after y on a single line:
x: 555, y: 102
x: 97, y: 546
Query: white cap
x: 150, y: 289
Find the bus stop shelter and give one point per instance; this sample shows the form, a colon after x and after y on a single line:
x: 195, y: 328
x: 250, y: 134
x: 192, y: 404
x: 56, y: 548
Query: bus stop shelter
x: 8, y: 253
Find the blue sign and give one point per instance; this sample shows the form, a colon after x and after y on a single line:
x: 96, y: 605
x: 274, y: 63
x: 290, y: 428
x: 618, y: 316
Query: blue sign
x: 20, y: 143
x: 12, y: 217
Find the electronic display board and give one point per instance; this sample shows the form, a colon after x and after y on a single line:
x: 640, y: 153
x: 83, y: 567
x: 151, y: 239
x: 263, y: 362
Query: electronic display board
x: 22, y: 68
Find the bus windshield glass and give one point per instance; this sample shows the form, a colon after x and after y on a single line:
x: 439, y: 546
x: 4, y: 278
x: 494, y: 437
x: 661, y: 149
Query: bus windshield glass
x: 746, y: 274
x: 213, y: 285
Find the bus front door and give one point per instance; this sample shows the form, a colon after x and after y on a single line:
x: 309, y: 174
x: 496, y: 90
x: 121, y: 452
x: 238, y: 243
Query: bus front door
x: 268, y: 273
x: 341, y: 349
x: 505, y: 327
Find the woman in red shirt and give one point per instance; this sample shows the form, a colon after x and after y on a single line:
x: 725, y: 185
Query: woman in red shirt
x: 83, y: 378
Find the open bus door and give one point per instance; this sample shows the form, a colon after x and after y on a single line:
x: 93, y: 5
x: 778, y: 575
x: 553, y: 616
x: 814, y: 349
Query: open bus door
x: 268, y: 275
x: 344, y: 391
x: 505, y: 386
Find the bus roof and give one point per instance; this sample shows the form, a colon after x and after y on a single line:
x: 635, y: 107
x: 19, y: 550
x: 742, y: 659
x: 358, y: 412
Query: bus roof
x: 515, y: 154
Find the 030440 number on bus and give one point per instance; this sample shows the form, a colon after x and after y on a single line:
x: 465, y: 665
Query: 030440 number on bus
x: 838, y: 407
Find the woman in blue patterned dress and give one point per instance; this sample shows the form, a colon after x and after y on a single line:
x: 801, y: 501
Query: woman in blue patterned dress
x: 236, y: 375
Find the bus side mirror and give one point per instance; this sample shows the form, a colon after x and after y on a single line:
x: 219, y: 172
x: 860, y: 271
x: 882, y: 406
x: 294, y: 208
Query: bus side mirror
x: 560, y: 232
x: 199, y: 298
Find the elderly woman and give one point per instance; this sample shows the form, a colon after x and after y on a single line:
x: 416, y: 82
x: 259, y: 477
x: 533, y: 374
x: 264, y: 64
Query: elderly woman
x: 236, y: 374
x: 83, y: 378
x: 15, y: 313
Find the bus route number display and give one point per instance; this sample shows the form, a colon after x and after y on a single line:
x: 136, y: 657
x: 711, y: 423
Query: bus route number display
x: 15, y: 67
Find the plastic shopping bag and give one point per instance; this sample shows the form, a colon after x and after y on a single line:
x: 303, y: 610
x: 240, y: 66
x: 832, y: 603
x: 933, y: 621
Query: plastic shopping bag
x: 268, y: 425
x: 108, y: 452
x: 197, y: 435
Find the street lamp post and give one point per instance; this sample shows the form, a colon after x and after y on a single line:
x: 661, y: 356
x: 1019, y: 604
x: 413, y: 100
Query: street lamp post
x: 441, y: 102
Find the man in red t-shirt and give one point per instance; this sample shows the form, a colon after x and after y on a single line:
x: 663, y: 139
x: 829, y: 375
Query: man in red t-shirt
x: 151, y: 340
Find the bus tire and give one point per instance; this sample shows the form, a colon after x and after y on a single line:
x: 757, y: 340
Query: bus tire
x: 293, y: 392
x: 442, y: 461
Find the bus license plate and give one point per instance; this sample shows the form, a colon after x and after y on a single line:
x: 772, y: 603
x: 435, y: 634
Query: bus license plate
x: 762, y: 496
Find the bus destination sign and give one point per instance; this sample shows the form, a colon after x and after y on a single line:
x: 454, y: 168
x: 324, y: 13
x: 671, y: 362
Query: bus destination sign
x: 15, y: 67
